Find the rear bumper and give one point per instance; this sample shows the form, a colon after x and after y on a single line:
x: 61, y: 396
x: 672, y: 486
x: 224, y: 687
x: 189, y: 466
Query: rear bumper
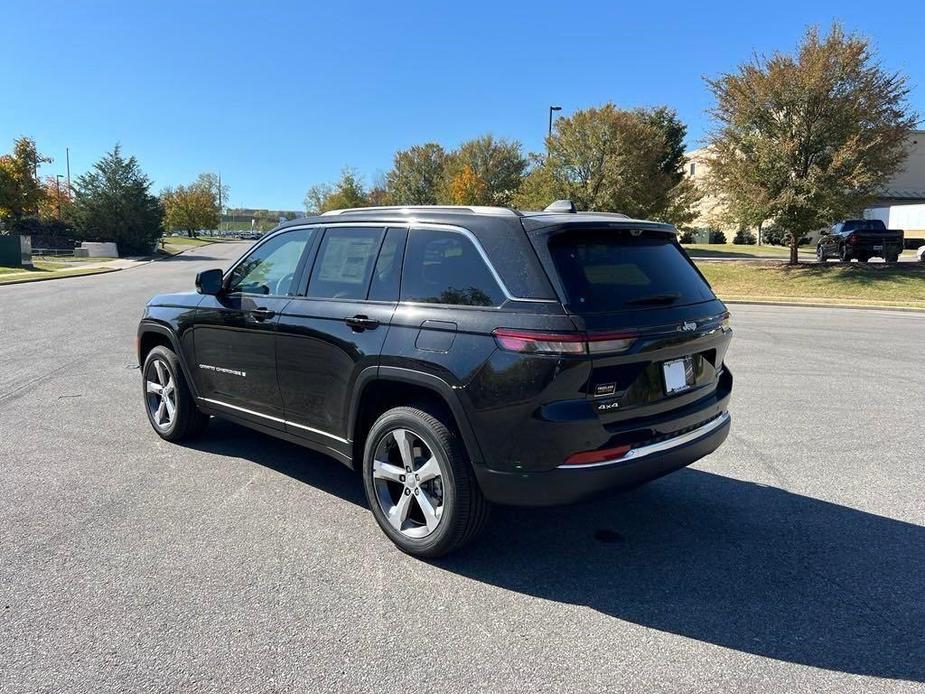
x: 868, y: 248
x: 566, y: 485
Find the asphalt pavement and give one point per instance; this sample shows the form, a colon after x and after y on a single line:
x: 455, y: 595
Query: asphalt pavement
x: 792, y: 559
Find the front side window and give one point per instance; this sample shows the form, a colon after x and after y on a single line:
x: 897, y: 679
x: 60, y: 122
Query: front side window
x: 270, y: 268
x: 345, y: 263
x: 444, y: 267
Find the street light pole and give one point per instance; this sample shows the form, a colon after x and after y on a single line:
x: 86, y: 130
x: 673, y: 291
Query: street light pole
x: 551, y: 109
x: 67, y: 156
x: 58, y: 178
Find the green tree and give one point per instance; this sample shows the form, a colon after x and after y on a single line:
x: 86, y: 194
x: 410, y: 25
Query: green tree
x: 347, y: 192
x: 467, y: 188
x: 21, y: 191
x: 56, y: 201
x: 113, y: 202
x: 417, y: 175
x: 219, y: 190
x: 807, y: 138
x: 498, y: 163
x: 189, y: 208
x: 539, y: 187
x: 316, y: 197
x: 615, y: 160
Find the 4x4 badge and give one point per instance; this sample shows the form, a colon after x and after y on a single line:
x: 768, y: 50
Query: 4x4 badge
x: 688, y: 326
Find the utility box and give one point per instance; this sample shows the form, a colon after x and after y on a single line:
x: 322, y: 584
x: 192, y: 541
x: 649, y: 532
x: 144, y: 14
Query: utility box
x: 16, y: 251
x: 96, y: 249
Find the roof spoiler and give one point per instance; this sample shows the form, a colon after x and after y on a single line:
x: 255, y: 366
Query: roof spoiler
x: 561, y: 206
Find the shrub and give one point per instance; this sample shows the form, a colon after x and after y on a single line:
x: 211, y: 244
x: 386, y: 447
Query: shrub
x: 45, y: 233
x: 717, y: 237
x: 744, y: 237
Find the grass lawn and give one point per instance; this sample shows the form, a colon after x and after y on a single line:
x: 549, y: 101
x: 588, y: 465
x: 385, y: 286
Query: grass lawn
x: 43, y: 270
x: 860, y: 284
x: 40, y: 266
x: 732, y: 250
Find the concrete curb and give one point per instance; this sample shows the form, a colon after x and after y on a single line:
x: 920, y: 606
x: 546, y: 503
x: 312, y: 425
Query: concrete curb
x: 31, y: 280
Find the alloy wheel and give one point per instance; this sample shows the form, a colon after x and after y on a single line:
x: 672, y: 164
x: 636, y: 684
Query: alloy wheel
x: 408, y: 480
x: 160, y: 394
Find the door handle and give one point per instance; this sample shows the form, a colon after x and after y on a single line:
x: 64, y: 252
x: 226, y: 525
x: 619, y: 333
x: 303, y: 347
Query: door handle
x: 262, y: 313
x: 360, y: 323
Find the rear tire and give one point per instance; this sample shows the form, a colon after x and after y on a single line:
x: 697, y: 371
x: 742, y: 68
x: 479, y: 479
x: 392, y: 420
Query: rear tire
x: 420, y: 484
x: 892, y: 259
x: 169, y: 403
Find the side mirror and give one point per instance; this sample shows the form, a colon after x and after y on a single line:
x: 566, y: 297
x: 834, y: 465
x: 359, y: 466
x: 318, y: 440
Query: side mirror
x: 209, y: 282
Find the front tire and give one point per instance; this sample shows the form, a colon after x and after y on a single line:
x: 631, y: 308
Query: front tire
x: 169, y: 403
x: 820, y: 255
x: 845, y: 255
x: 420, y: 485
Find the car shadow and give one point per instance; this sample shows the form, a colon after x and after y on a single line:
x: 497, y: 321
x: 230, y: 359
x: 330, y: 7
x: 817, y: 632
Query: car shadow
x: 321, y: 472
x: 728, y: 562
x: 732, y: 563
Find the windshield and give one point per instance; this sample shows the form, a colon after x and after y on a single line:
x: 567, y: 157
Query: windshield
x: 609, y: 270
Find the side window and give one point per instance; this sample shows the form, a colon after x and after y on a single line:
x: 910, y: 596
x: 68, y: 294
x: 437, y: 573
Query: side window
x: 387, y: 275
x: 443, y: 267
x: 345, y: 263
x: 270, y: 268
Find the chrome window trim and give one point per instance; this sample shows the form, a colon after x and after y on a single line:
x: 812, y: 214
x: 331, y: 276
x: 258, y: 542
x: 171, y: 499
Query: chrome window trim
x: 481, y: 251
x: 274, y: 419
x: 643, y: 451
x: 409, y: 224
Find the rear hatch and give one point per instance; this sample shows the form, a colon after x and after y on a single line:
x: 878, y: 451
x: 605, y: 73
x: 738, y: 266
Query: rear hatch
x: 876, y: 238
x: 657, y: 335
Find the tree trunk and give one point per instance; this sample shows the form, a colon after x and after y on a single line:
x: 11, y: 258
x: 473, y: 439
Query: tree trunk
x: 794, y: 257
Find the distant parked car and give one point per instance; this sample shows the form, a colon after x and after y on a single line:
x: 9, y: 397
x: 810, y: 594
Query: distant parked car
x: 862, y: 239
x: 920, y: 254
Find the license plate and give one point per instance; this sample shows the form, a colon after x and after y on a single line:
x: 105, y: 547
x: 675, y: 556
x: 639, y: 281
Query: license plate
x: 675, y: 373
x: 878, y: 248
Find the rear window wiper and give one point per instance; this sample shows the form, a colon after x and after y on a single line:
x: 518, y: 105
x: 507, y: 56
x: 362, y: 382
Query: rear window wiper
x: 668, y: 298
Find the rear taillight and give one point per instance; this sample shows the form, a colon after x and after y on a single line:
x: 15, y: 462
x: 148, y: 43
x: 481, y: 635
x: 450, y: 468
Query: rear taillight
x: 726, y: 323
x: 533, y: 342
x: 539, y: 342
x: 594, y: 457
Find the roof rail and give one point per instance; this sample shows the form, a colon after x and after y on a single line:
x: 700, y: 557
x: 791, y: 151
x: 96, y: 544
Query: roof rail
x: 410, y: 209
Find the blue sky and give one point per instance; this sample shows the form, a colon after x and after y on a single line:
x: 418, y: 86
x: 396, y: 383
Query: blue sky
x: 279, y: 95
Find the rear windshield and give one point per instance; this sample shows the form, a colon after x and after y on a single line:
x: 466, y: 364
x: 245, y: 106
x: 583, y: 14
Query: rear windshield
x: 864, y: 225
x: 612, y: 270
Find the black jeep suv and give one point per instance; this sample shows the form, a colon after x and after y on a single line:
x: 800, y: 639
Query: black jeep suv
x: 454, y: 356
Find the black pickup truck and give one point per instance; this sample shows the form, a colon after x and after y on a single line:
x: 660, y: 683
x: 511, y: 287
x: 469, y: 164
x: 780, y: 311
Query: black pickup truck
x: 862, y: 239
